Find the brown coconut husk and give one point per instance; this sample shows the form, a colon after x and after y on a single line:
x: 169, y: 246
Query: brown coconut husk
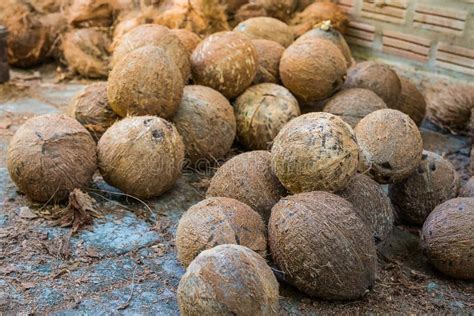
x: 379, y: 78
x: 313, y: 69
x: 205, y: 119
x: 90, y: 13
x: 266, y: 28
x: 142, y: 156
x: 231, y: 6
x: 216, y: 221
x: 390, y: 145
x: 158, y: 36
x: 226, y: 62
x: 51, y: 155
x: 189, y: 39
x: 57, y: 26
x: 447, y: 238
x: 372, y: 205
x: 316, y: 13
x: 228, y: 280
x: 199, y: 16
x: 28, y: 41
x: 125, y: 23
x: 261, y: 112
x: 48, y: 6
x: 249, y: 178
x: 305, y: 160
x: 412, y: 102
x: 91, y: 108
x: 354, y: 104
x: 135, y: 88
x: 269, y: 55
x: 434, y: 182
x: 322, y: 246
x: 450, y: 106
x: 326, y: 31
x: 279, y: 9
x: 86, y: 52
x: 467, y: 190
x: 248, y: 11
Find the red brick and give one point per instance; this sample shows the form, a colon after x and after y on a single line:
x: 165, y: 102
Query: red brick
x: 407, y: 46
x: 404, y: 54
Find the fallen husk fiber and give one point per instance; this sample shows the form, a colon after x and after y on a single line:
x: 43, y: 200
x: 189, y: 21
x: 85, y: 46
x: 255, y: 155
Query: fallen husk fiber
x: 90, y: 13
x: 216, y: 221
x: 51, y: 155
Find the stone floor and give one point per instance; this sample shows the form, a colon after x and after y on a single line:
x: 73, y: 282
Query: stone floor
x: 125, y: 262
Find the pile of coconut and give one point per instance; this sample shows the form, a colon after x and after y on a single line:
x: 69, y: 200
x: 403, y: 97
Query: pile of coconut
x: 306, y: 196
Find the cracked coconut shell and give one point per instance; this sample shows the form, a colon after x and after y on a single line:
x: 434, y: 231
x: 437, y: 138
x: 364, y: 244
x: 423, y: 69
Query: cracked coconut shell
x: 266, y: 28
x: 217, y: 221
x: 390, y: 145
x: 205, y: 119
x: 312, y: 69
x: 86, y: 52
x: 411, y: 102
x: 145, y: 82
x: 261, y: 112
x: 226, y: 62
x: 315, y: 151
x: 51, y: 155
x: 326, y: 31
x: 249, y: 178
x: 322, y: 246
x: 451, y: 106
x: 199, y: 16
x: 372, y: 205
x: 189, y: 40
x: 379, y: 78
x: 154, y: 35
x: 447, y: 238
x: 354, y: 104
x: 316, y: 13
x: 142, y: 156
x: 228, y: 280
x: 91, y: 108
x: 434, y: 182
x: 28, y: 42
x: 269, y: 54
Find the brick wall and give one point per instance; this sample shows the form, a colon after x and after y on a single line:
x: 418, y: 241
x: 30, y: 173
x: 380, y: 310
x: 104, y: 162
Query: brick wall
x: 433, y: 35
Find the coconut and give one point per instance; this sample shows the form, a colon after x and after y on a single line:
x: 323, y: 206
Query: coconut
x: 269, y: 55
x: 226, y: 62
x: 313, y: 69
x: 146, y: 81
x: 51, y: 155
x: 467, y: 190
x: 189, y: 39
x: 249, y: 178
x: 322, y: 246
x: 199, y: 16
x: 372, y: 205
x: 317, y: 13
x: 216, y: 221
x: 154, y: 35
x: 447, y: 238
x: 379, y: 78
x: 249, y: 10
x: 28, y: 41
x: 434, y: 182
x: 390, y: 145
x: 354, y: 104
x: 228, y: 280
x: 261, y: 112
x: 141, y: 156
x: 91, y: 108
x: 280, y: 9
x: 86, y: 52
x: 266, y: 28
x: 411, y: 101
x: 315, y: 151
x: 231, y: 6
x: 326, y: 31
x: 47, y: 6
x: 205, y: 119
x: 88, y: 13
x: 125, y: 23
x: 451, y: 106
x: 56, y: 24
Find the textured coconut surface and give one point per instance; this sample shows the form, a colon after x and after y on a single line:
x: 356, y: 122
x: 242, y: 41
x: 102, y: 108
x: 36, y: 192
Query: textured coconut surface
x: 125, y: 262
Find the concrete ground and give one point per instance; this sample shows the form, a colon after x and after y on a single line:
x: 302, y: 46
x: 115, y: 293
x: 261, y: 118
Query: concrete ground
x: 125, y: 262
